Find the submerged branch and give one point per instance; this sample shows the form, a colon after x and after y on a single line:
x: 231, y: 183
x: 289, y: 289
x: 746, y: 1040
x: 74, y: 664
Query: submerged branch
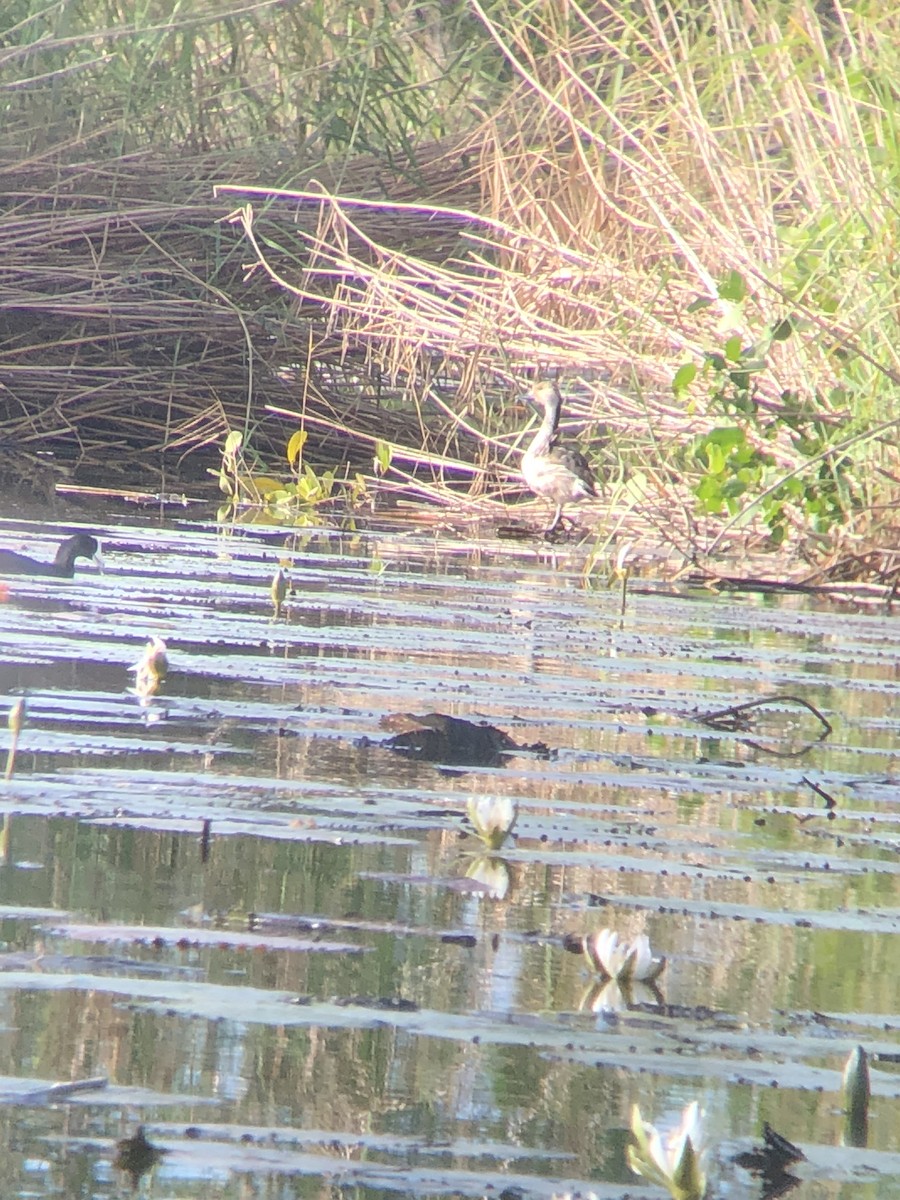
x: 732, y: 718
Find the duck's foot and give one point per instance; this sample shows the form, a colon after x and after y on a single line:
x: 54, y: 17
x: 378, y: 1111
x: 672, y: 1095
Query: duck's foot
x: 562, y: 527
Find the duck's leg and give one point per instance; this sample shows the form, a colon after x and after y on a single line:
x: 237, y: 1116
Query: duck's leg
x: 556, y: 519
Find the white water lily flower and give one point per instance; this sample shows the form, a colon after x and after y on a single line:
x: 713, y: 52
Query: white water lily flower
x: 493, y: 818
x: 625, y: 961
x: 679, y: 1163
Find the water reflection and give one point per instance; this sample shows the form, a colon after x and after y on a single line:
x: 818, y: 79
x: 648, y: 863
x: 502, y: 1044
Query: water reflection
x: 611, y: 996
x: 357, y: 993
x: 494, y: 875
x: 136, y: 1155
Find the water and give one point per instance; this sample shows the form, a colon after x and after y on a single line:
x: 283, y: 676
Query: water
x: 262, y: 927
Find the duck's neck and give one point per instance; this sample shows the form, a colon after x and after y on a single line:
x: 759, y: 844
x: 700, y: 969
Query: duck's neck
x: 544, y: 436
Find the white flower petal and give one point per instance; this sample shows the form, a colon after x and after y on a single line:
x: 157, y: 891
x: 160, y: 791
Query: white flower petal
x: 619, y: 959
x: 492, y: 818
x: 679, y: 1163
x: 658, y: 1150
x: 643, y: 959
x: 607, y: 950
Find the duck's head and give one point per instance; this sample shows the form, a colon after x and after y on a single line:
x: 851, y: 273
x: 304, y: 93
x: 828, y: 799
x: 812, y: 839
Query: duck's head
x: 544, y: 396
x: 79, y: 545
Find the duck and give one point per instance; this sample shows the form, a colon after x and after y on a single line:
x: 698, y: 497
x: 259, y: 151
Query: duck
x: 79, y: 545
x: 559, y: 474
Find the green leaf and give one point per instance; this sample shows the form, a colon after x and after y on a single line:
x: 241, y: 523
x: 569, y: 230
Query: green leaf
x: 709, y: 493
x: 727, y: 436
x: 233, y: 443
x: 683, y: 378
x: 279, y: 496
x: 733, y: 349
x: 734, y: 488
x: 741, y: 381
x: 689, y: 1182
x: 383, y: 457
x: 733, y: 287
x: 716, y: 457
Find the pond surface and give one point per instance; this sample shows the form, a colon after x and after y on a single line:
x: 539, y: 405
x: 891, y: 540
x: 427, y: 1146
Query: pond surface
x: 278, y: 945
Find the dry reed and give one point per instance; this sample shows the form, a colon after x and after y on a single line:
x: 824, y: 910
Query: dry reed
x: 582, y: 231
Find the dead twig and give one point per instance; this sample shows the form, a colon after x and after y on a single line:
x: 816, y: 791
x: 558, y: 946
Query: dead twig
x: 830, y: 801
x: 732, y: 720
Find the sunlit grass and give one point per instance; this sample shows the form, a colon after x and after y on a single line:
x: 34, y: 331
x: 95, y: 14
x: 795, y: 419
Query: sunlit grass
x: 684, y: 212
x: 667, y: 189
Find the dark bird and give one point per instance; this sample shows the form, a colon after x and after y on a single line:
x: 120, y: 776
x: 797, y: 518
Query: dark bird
x: 437, y: 737
x: 558, y: 473
x: 79, y: 545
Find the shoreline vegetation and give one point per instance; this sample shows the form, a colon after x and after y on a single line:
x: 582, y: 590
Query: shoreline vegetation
x: 322, y: 248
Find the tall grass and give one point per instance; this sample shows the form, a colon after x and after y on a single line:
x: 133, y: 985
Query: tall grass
x: 743, y: 158
x: 690, y: 209
x: 316, y: 77
x: 123, y: 317
x: 713, y: 138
